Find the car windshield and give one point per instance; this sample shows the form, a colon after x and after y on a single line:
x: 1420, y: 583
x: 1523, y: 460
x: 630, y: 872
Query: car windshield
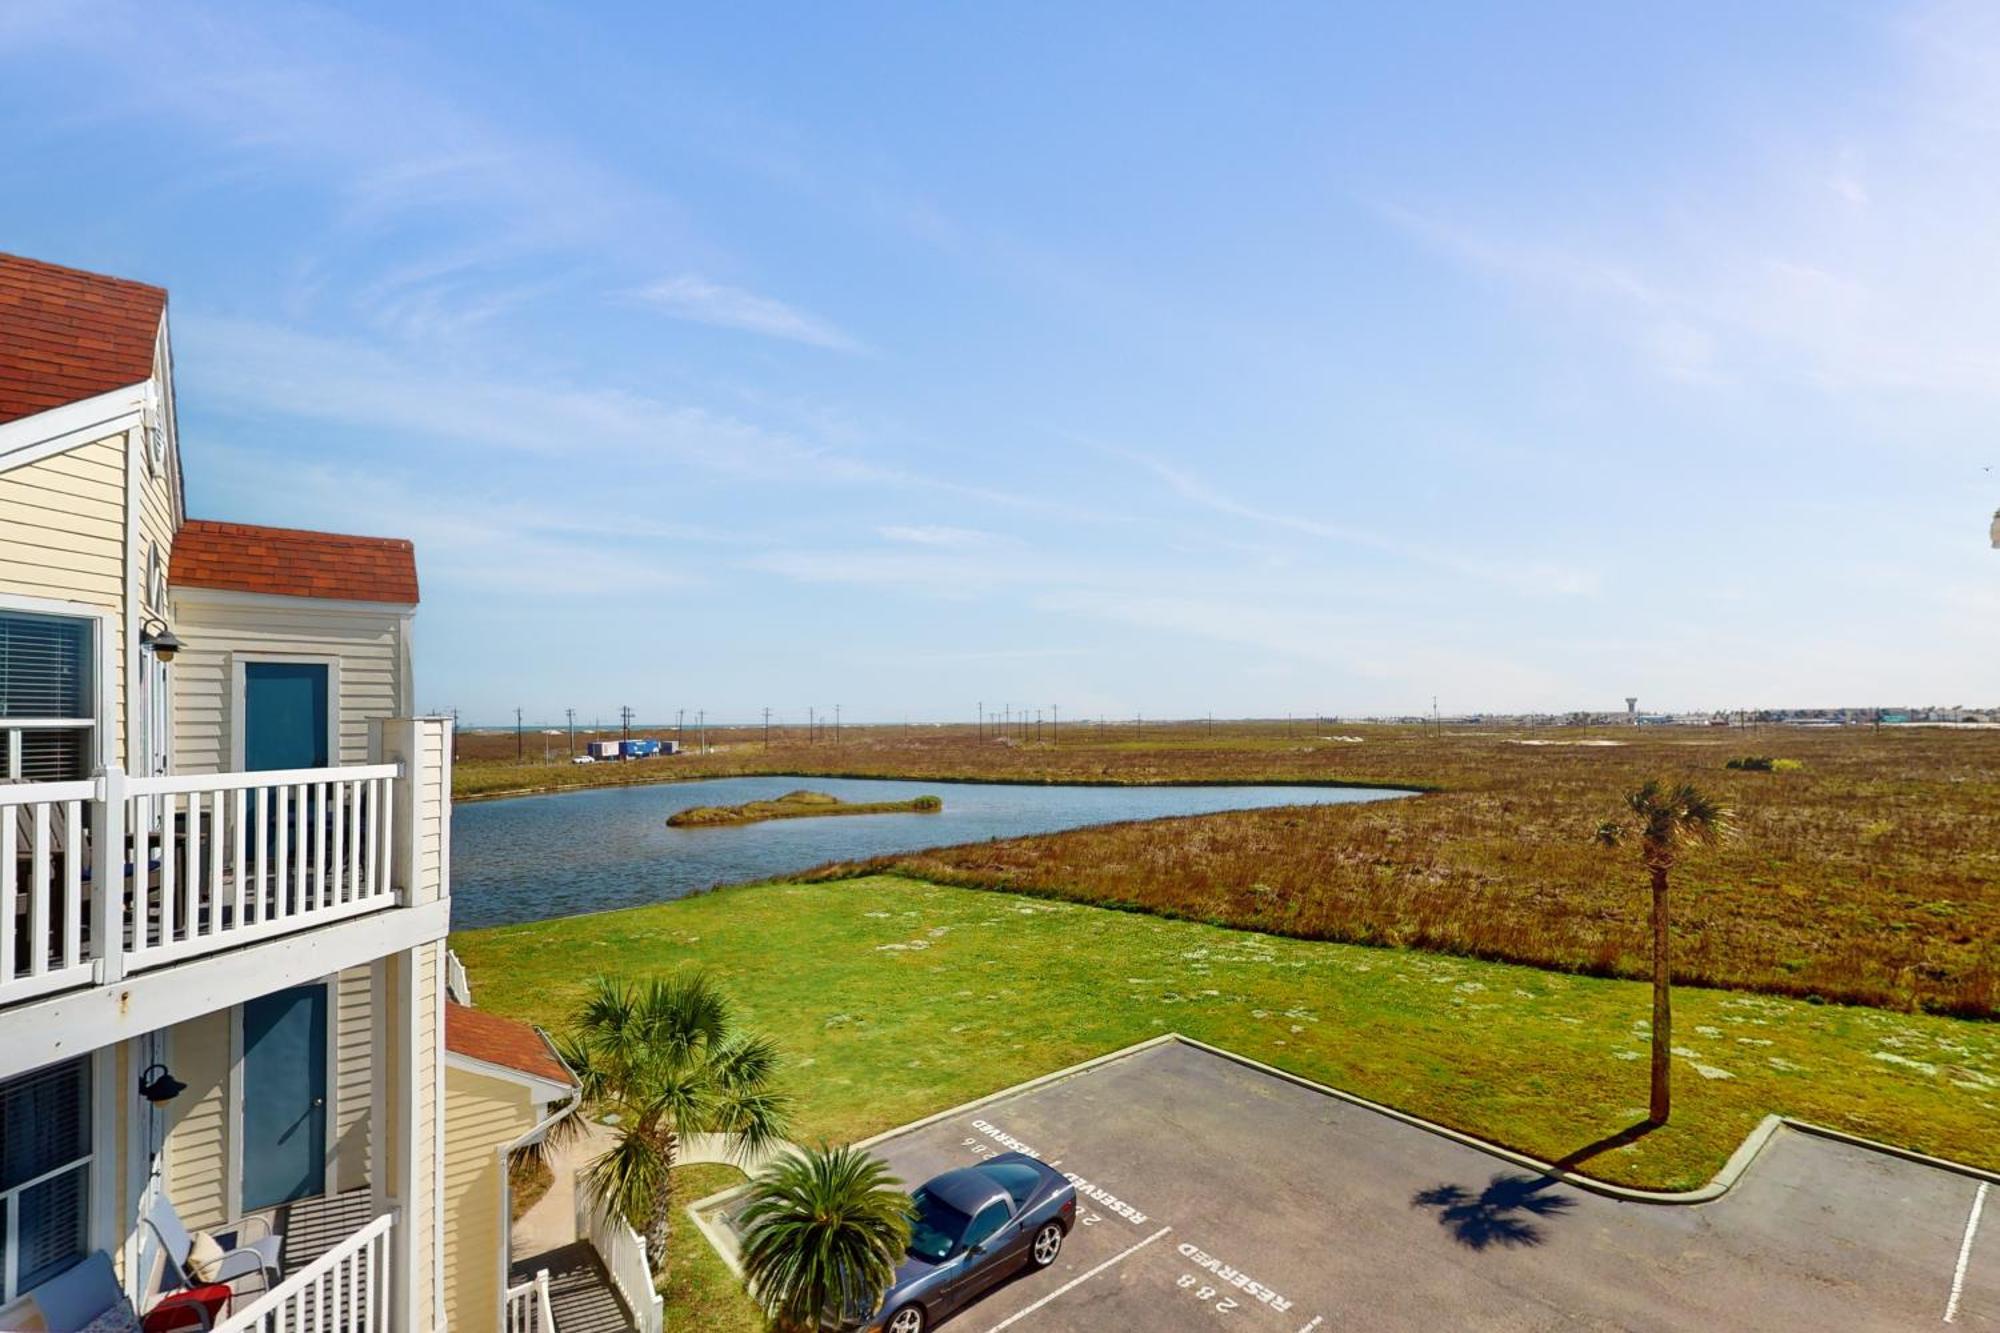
x: 935, y: 1230
x: 1017, y: 1178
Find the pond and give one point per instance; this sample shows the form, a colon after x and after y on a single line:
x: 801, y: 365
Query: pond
x: 531, y: 857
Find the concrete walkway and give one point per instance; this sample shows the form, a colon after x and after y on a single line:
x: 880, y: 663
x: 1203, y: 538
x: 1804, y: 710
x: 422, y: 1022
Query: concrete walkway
x: 550, y: 1223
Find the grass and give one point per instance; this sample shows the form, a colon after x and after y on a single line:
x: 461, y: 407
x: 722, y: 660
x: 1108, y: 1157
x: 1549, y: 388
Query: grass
x: 894, y: 998
x: 528, y: 1179
x: 1870, y: 874
x: 700, y: 1292
x: 797, y: 805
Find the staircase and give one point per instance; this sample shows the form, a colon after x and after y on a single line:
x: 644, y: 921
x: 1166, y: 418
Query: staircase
x: 581, y: 1296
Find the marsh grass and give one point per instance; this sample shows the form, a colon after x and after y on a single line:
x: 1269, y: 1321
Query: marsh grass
x: 1869, y: 875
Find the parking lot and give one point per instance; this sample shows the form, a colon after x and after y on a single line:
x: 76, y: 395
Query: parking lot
x: 1213, y: 1194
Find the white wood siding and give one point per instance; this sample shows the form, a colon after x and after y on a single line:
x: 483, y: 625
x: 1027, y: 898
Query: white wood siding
x: 482, y: 1116
x: 198, y: 1129
x: 427, y: 1145
x: 353, y: 1076
x: 217, y: 630
x: 62, y: 536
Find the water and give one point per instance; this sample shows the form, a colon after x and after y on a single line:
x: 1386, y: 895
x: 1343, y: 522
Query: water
x: 532, y: 857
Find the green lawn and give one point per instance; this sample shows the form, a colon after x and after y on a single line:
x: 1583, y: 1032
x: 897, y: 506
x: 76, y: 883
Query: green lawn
x: 894, y: 998
x: 700, y: 1292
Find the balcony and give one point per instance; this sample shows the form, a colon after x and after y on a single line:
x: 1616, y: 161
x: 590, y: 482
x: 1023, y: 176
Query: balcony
x: 111, y: 876
x: 347, y: 1287
x: 115, y: 883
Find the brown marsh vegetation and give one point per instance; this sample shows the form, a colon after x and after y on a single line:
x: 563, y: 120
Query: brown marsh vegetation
x: 1868, y: 874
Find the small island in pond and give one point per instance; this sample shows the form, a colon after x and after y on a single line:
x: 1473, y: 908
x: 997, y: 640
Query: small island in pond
x: 797, y: 805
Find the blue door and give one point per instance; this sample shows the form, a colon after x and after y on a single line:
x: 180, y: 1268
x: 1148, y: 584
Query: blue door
x: 284, y: 1097
x: 285, y: 715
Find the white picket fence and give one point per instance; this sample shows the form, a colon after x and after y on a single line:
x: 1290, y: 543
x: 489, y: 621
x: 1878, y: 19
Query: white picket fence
x: 345, y: 1290
x: 112, y: 875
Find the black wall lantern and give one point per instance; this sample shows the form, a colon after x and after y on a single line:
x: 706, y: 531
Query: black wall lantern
x: 162, y: 641
x: 158, y: 1086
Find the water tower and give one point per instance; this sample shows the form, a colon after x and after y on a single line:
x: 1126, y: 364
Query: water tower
x: 1632, y: 709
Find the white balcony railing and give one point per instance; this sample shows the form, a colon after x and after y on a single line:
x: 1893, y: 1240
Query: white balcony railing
x: 114, y: 875
x: 623, y: 1252
x: 345, y: 1290
x: 527, y: 1309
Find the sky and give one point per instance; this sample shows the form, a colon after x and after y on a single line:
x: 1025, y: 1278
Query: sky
x: 1143, y: 358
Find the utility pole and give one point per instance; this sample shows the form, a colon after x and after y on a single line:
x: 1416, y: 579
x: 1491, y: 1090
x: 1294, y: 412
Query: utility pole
x: 518, y: 756
x: 625, y: 725
x: 812, y: 726
x: 570, y: 713
x: 982, y: 719
x: 836, y: 724
x: 701, y: 720
x: 1055, y: 725
x: 680, y: 727
x: 767, y: 731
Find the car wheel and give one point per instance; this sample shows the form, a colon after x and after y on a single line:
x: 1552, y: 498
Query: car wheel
x: 1048, y: 1244
x: 909, y: 1319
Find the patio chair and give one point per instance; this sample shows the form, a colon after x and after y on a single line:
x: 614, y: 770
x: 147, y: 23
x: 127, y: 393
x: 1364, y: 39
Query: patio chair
x: 86, y: 1295
x: 249, y: 1249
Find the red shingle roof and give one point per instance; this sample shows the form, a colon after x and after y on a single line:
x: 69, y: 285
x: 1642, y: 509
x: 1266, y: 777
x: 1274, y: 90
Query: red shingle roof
x: 66, y: 335
x: 243, y: 557
x: 494, y: 1040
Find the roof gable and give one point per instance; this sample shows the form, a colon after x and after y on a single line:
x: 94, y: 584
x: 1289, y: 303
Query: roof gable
x: 290, y: 562
x: 67, y: 335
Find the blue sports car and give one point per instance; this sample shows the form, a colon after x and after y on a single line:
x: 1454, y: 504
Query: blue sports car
x: 973, y: 1228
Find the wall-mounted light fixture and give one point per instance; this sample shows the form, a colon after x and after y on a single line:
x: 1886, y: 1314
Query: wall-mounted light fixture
x: 162, y: 640
x: 158, y: 1086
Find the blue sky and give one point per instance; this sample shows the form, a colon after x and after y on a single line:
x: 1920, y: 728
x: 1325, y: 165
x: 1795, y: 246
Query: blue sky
x: 1160, y: 358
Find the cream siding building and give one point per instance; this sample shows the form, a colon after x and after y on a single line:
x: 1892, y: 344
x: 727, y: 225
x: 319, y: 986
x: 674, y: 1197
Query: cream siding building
x: 229, y: 871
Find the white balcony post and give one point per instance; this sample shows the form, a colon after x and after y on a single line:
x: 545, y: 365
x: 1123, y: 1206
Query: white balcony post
x: 420, y: 814
x: 107, y: 871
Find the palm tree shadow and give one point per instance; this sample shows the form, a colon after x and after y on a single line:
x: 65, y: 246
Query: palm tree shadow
x: 1504, y: 1213
x: 1508, y: 1210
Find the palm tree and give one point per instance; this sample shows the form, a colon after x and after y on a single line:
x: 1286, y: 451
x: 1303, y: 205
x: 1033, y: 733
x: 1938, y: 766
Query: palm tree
x: 824, y: 1233
x: 1670, y: 818
x: 658, y: 1060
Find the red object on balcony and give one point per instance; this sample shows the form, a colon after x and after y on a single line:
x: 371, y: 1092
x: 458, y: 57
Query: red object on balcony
x: 189, y: 1308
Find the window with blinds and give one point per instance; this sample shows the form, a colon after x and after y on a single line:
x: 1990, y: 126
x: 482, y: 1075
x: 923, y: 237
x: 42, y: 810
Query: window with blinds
x: 45, y: 1163
x: 46, y: 692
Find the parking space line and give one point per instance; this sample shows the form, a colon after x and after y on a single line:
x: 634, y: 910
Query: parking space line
x: 1117, y: 1258
x: 1965, y: 1254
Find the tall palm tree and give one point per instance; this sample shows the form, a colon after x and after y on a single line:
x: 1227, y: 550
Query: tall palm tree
x: 658, y: 1060
x: 824, y: 1233
x: 1669, y: 819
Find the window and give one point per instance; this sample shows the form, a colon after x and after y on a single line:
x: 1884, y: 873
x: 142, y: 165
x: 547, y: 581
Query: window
x: 156, y: 580
x: 991, y: 1218
x: 156, y: 445
x: 1017, y: 1178
x: 45, y: 1158
x: 46, y: 684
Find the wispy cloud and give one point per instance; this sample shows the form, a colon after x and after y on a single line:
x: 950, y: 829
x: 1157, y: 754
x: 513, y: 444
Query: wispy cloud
x: 1523, y: 576
x: 1849, y: 259
x: 933, y: 534
x: 700, y: 301
x: 489, y: 543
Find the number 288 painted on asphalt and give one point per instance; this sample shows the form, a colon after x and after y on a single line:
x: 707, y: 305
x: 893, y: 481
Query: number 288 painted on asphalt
x: 1205, y: 1292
